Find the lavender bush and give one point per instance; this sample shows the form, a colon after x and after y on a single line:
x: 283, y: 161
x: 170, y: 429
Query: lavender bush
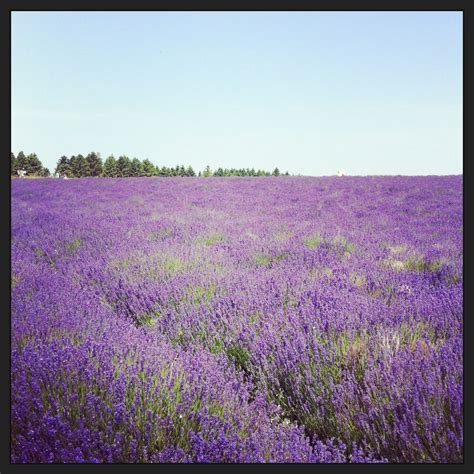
x: 237, y: 320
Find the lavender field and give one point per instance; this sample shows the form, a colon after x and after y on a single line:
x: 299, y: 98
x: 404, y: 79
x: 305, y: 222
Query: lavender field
x: 275, y: 319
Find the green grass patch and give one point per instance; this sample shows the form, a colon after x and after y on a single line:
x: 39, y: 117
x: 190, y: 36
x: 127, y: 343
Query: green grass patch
x: 213, y: 239
x: 357, y: 279
x: 261, y: 259
x: 420, y: 264
x: 238, y: 355
x: 313, y: 241
x: 72, y: 247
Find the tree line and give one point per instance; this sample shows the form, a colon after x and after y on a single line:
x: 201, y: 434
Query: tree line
x: 78, y: 166
x: 30, y: 164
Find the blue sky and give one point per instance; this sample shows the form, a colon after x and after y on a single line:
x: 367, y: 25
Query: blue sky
x: 310, y: 92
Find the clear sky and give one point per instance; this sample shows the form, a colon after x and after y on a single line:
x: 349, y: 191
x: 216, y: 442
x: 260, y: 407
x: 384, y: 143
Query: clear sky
x: 309, y: 92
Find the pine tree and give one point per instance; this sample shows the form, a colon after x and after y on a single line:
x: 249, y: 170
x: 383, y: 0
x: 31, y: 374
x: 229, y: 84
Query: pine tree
x: 94, y: 163
x: 63, y: 168
x: 136, y: 167
x: 148, y: 168
x: 73, y: 166
x: 33, y: 165
x: 21, y: 161
x: 123, y: 166
x: 82, y: 166
x: 110, y: 167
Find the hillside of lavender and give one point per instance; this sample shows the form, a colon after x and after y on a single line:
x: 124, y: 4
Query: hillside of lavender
x: 215, y: 320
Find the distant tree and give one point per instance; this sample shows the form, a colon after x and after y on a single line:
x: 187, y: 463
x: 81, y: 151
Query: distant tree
x: 123, y: 166
x: 190, y: 171
x: 79, y: 166
x: 136, y: 168
x: 199, y: 174
x: 148, y: 168
x: 94, y: 164
x: 219, y: 172
x: 21, y: 161
x: 45, y: 173
x: 110, y: 167
x: 63, y: 168
x: 82, y: 166
x: 287, y: 174
x: 73, y: 166
x: 182, y: 171
x: 13, y: 165
x: 276, y: 172
x: 33, y: 165
x: 207, y: 171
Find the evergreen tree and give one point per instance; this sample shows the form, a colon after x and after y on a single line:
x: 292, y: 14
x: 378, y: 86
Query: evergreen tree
x: 21, y: 161
x: 110, y: 167
x: 73, y: 166
x: 33, y: 165
x: 190, y: 171
x: 276, y: 172
x: 94, y: 164
x: 79, y: 166
x: 123, y: 166
x: 82, y: 166
x: 62, y: 167
x: 148, y: 168
x: 45, y: 173
x: 136, y: 167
